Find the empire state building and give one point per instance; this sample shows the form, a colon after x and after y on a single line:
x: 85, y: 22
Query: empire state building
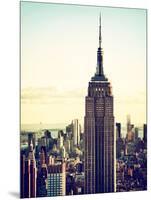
x: 99, y: 131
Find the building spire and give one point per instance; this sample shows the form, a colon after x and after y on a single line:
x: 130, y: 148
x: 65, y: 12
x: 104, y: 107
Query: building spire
x: 99, y: 75
x: 99, y: 53
x: 100, y: 38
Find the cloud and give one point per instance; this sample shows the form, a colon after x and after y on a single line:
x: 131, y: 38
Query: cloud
x: 49, y: 95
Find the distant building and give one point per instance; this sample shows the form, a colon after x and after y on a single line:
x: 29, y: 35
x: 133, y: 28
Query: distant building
x: 71, y: 145
x: 60, y: 139
x: 145, y: 133
x: 43, y: 141
x: 136, y: 133
x: 67, y: 145
x: 128, y: 123
x: 42, y: 157
x: 130, y: 148
x: 47, y: 134
x: 63, y: 152
x: 118, y: 131
x: 42, y: 181
x: 56, y: 180
x: 130, y: 136
x: 76, y: 130
x: 42, y: 176
x: 32, y: 138
x: 49, y: 139
x: 69, y: 131
x: 51, y: 160
x: 43, y: 147
x: 120, y: 147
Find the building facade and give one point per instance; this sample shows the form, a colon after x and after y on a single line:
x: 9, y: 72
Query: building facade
x: 56, y: 180
x: 99, y: 132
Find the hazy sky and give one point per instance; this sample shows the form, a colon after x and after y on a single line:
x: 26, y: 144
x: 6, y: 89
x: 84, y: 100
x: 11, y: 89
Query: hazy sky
x: 58, y: 58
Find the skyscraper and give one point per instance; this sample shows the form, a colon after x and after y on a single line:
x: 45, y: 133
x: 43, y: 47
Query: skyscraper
x: 99, y: 131
x: 29, y: 174
x: 118, y: 131
x: 76, y: 131
x: 60, y: 140
x: 31, y: 137
x: 128, y: 123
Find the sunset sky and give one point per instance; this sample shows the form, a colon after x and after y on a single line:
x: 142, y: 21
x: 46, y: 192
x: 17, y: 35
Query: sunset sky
x: 58, y: 58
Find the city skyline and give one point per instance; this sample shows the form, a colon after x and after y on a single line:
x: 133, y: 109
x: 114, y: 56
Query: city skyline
x: 44, y: 39
x: 98, y: 158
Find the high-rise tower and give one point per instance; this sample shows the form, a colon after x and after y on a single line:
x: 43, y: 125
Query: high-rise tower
x: 76, y: 131
x: 99, y: 131
x: 118, y: 131
x: 29, y: 174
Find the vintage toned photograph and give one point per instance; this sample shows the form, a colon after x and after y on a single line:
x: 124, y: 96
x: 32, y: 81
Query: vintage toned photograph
x: 83, y: 85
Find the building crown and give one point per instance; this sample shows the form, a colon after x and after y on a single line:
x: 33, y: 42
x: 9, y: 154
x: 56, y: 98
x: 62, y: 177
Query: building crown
x: 99, y: 75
